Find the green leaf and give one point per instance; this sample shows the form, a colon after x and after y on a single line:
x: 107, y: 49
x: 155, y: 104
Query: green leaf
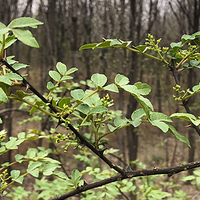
x: 3, y: 96
x: 161, y: 125
x: 9, y: 41
x: 115, y: 42
x: 112, y: 87
x: 104, y: 44
x: 145, y: 101
x: 33, y: 165
x: 20, y: 179
x: 71, y: 70
x: 26, y: 37
x: 19, y: 158
x: 160, y: 116
x: 196, y: 88
x: 15, y: 174
x: 18, y: 66
x: 61, y: 68
x: 6, y: 80
x: 21, y: 94
x: 99, y: 79
x: 178, y: 136
x: 75, y: 177
x: 64, y: 101
x: 125, y: 43
x: 121, y: 80
x: 34, y: 172
x: 49, y: 168
x: 50, y: 86
x: 64, y: 78
x: 136, y: 122
x: 187, y: 38
x: 2, y: 25
x: 31, y: 153
x: 13, y: 76
x: 194, y: 63
x: 4, y: 30
x: 137, y: 114
x: 186, y: 116
x: 111, y: 128
x: 88, y: 46
x: 132, y: 89
x: 196, y: 35
x: 84, y: 108
x: 197, y: 172
x: 24, y: 22
x: 175, y: 45
x: 142, y: 48
x: 77, y: 94
x: 92, y: 100
x: 144, y: 89
x: 120, y: 122
x: 54, y: 75
x: 98, y: 109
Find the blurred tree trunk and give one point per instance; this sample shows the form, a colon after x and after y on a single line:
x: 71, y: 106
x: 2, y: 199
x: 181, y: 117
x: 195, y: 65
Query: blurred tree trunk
x: 87, y: 22
x: 121, y: 133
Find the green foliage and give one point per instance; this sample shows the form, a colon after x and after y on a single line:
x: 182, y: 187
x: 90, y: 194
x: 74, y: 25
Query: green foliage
x: 92, y: 116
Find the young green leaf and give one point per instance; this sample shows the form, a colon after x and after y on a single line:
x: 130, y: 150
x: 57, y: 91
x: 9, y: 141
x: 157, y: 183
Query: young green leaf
x: 6, y: 80
x: 132, y: 89
x: 33, y: 165
x: 50, y: 86
x: 34, y: 172
x: 161, y: 125
x: 18, y: 66
x: 24, y: 22
x: 104, y: 44
x: 31, y: 153
x: 144, y: 89
x: 49, y: 168
x: 75, y: 177
x: 13, y: 76
x: 19, y: 158
x: 15, y: 174
x: 71, y: 70
x: 62, y: 69
x: 137, y: 114
x: 99, y: 80
x: 120, y: 122
x: 142, y: 48
x: 112, y: 87
x: 196, y: 88
x: 64, y: 101
x: 178, y: 136
x: 115, y: 42
x: 186, y: 116
x: 84, y: 108
x: 3, y: 96
x: 26, y: 37
x: 54, y: 75
x: 77, y: 94
x: 88, y: 46
x: 187, y: 38
x: 98, y: 109
x: 160, y: 117
x: 121, y: 80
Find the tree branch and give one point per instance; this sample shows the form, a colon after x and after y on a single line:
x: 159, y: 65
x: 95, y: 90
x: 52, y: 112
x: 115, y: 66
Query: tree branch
x: 99, y: 153
x: 129, y: 174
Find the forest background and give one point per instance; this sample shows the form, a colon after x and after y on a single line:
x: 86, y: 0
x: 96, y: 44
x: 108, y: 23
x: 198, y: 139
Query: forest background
x: 68, y: 24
